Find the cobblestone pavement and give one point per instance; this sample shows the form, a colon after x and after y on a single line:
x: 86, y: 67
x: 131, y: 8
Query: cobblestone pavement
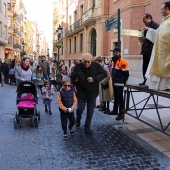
x: 43, y: 148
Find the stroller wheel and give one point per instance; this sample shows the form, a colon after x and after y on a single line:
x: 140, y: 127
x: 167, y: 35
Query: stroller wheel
x: 20, y: 123
x: 38, y: 115
x: 36, y: 121
x: 32, y: 122
x: 15, y: 123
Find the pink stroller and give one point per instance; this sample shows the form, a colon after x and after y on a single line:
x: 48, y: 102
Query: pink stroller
x: 26, y: 104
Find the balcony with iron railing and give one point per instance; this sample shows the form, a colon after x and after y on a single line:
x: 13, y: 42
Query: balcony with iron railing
x: 76, y: 25
x: 88, y: 16
x: 13, y: 2
x: 55, y: 49
x: 18, y: 19
x: 16, y: 45
x: 16, y: 31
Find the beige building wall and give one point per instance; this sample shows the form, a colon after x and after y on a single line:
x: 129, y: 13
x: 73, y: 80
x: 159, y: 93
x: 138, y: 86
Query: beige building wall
x: 3, y: 28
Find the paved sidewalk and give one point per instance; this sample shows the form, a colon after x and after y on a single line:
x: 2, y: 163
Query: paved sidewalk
x: 158, y: 140
x: 113, y: 145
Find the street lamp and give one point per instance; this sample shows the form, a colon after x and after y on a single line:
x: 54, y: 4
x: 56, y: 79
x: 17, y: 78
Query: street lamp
x: 59, y: 45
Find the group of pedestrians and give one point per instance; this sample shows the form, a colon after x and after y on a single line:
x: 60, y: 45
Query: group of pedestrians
x: 77, y: 88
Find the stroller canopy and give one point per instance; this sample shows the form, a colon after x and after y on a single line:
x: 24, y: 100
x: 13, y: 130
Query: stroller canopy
x: 26, y: 87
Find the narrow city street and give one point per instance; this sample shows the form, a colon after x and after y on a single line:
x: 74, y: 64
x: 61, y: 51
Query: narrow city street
x: 30, y: 148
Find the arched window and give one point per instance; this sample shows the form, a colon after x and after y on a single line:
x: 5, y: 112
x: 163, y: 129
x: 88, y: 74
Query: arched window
x: 93, y: 42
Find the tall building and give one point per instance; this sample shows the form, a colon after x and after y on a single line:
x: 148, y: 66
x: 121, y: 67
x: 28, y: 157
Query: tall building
x: 16, y: 29
x: 56, y: 23
x: 23, y: 13
x: 28, y: 37
x: 36, y: 45
x: 4, y: 5
x: 42, y: 43
x: 83, y: 23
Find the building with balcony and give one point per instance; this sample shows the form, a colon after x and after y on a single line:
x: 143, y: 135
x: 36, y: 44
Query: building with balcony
x: 36, y: 46
x: 9, y: 51
x: 83, y: 23
x: 28, y: 37
x: 16, y: 29
x: 43, y: 43
x: 23, y: 14
x: 3, y: 28
x: 56, y: 21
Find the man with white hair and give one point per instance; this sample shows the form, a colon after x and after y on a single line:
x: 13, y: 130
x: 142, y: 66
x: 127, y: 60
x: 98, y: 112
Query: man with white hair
x: 86, y: 76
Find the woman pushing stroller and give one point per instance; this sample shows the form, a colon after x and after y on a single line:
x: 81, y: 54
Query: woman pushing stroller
x: 24, y: 71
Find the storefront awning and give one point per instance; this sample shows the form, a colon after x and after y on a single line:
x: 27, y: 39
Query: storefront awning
x: 9, y: 51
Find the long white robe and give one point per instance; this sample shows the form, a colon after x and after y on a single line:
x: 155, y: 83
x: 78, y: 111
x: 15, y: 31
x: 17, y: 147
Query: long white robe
x: 155, y: 82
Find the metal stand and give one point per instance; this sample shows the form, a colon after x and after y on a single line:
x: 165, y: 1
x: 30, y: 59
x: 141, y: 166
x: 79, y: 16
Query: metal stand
x: 133, y: 109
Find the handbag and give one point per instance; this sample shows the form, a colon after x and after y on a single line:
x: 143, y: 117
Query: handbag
x: 105, y: 86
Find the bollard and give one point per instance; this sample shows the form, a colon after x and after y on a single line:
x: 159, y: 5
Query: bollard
x: 2, y: 80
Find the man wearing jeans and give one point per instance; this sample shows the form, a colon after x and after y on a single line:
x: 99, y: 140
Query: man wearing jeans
x: 86, y: 76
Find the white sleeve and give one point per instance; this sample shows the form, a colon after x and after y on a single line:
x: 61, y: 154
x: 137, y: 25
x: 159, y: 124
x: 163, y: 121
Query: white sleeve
x: 151, y: 34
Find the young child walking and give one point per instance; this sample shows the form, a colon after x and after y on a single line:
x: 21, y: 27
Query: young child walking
x: 67, y: 102
x: 47, y: 94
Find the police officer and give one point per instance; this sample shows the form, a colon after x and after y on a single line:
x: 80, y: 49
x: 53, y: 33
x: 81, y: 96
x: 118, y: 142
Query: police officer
x: 120, y: 74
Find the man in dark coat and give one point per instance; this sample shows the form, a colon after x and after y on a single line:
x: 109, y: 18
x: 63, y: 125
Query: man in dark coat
x: 86, y: 76
x: 146, y: 44
x: 45, y: 67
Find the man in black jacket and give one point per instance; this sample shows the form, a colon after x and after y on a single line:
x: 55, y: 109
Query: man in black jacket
x: 45, y: 67
x: 86, y: 76
x: 146, y: 44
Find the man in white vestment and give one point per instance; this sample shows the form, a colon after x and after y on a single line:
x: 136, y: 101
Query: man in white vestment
x: 158, y: 72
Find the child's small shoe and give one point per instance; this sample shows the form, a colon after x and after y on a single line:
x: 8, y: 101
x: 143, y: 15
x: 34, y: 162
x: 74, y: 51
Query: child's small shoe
x: 64, y: 136
x: 71, y: 130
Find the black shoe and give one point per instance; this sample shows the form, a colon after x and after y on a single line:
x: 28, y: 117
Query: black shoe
x: 88, y: 131
x: 143, y: 83
x: 50, y: 113
x: 71, y: 130
x: 107, y: 111
x: 77, y: 122
x: 102, y: 109
x: 113, y: 113
x: 46, y: 110
x: 119, y: 117
x: 98, y: 106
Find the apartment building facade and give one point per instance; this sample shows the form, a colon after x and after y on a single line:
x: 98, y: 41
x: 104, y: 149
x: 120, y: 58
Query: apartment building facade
x: 43, y: 43
x: 83, y: 23
x: 3, y: 28
x: 56, y: 22
x: 36, y: 46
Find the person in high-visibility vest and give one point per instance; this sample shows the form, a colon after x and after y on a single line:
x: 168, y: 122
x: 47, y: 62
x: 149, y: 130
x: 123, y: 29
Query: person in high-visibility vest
x: 120, y: 74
